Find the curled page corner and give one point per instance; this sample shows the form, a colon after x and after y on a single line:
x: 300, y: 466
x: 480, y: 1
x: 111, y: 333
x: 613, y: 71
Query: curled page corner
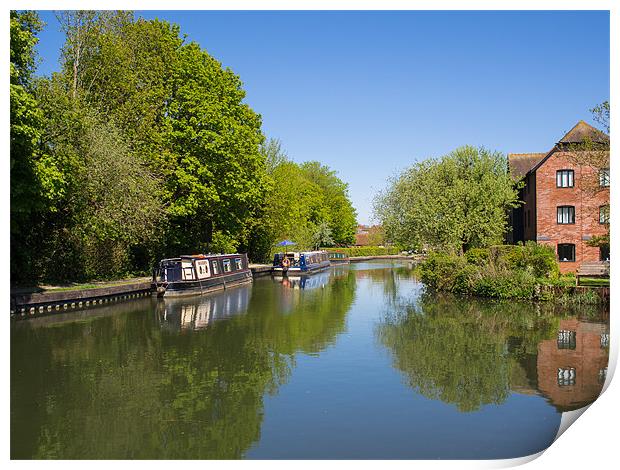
x: 517, y: 461
x: 568, y: 418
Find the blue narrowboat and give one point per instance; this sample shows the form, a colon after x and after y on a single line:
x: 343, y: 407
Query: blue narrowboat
x: 300, y: 262
x: 200, y: 274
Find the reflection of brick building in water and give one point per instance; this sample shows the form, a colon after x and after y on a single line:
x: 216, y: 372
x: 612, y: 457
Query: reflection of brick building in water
x: 573, y: 366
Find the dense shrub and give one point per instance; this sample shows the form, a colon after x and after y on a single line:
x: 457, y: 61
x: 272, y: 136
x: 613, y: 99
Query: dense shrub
x: 477, y: 256
x: 503, y: 272
x: 439, y: 270
x: 506, y: 285
x: 538, y: 259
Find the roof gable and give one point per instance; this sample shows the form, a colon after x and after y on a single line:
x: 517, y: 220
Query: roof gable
x: 578, y: 134
x: 582, y: 131
x: 519, y: 164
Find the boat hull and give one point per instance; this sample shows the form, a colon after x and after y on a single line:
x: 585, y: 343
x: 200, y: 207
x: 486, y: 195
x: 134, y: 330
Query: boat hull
x: 313, y: 268
x: 201, y: 286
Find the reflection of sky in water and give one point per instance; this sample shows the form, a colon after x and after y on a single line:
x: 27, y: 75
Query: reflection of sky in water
x: 355, y: 362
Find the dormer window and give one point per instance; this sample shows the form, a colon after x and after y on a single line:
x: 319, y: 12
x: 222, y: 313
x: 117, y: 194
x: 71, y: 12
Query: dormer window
x: 565, y: 178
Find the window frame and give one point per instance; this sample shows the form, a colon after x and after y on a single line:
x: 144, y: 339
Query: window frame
x: 215, y: 267
x: 571, y: 221
x: 574, y: 253
x: 602, y: 210
x: 604, y: 248
x: 603, y: 177
x: 566, y: 171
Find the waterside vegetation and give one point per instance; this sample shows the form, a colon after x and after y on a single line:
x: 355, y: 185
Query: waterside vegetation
x: 525, y: 272
x: 142, y: 147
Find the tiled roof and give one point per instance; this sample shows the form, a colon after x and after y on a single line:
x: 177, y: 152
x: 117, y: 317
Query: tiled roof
x: 361, y: 239
x: 581, y: 131
x: 520, y: 163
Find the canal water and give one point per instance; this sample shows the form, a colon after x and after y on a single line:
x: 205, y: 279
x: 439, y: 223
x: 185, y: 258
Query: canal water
x: 358, y: 362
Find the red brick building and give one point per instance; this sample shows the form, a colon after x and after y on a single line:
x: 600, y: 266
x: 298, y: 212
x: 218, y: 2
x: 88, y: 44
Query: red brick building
x: 566, y: 201
x: 368, y: 235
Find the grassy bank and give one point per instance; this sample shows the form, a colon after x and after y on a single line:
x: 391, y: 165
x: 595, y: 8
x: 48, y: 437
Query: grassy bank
x: 525, y: 272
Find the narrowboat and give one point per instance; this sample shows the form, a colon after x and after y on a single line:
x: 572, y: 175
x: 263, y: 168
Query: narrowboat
x: 200, y: 274
x: 337, y: 257
x: 300, y: 262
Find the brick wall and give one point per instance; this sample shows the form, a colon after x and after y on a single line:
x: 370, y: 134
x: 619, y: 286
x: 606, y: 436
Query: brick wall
x: 585, y: 196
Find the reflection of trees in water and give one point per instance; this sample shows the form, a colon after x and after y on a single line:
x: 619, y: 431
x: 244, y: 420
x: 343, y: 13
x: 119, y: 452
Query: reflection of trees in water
x: 467, y: 352
x: 123, y: 387
x: 388, y: 276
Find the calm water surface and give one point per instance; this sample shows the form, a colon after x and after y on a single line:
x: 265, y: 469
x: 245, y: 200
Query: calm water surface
x: 357, y: 362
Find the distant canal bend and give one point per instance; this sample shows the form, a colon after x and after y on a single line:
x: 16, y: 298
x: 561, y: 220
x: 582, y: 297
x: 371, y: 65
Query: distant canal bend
x: 356, y: 362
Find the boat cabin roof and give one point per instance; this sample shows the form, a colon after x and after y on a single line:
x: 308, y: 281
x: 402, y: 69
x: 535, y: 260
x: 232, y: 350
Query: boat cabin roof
x: 202, y: 256
x: 302, y: 252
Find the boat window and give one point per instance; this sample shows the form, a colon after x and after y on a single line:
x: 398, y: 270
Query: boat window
x: 216, y: 268
x: 226, y: 264
x: 238, y: 265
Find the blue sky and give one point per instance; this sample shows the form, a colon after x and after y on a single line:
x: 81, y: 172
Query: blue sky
x: 370, y: 93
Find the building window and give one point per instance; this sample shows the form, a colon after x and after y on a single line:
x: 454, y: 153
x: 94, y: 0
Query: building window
x: 567, y: 339
x: 566, y: 376
x: 603, y: 214
x: 603, y: 176
x: 604, y: 252
x: 565, y: 178
x: 604, y: 340
x: 566, y: 252
x: 566, y: 215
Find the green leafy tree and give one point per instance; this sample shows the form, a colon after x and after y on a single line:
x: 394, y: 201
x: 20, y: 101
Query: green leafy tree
x: 32, y: 178
x: 322, y: 235
x: 339, y: 214
x: 456, y: 202
x: 109, y: 200
x: 217, y: 181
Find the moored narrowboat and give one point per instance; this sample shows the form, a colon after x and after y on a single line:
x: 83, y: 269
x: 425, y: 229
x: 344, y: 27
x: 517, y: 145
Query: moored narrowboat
x: 337, y: 257
x: 300, y: 262
x: 200, y: 274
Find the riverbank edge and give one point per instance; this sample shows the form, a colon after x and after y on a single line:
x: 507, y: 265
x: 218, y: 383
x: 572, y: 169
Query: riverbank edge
x: 25, y: 302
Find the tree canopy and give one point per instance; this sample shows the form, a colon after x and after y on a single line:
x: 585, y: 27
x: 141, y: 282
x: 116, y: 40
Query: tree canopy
x: 142, y: 146
x: 455, y: 202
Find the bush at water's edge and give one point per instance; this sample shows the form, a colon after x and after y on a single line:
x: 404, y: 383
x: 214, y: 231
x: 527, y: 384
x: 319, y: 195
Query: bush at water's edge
x: 527, y: 272
x: 367, y: 250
